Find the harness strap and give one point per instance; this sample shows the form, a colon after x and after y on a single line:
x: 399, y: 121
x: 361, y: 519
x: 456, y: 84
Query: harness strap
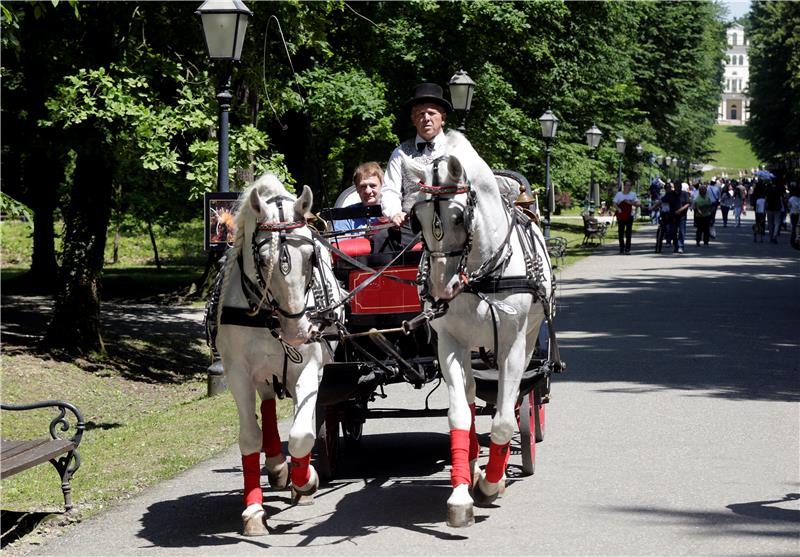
x: 243, y: 317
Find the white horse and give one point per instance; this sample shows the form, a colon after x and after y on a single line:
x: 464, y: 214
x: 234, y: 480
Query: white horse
x: 470, y: 242
x: 274, y: 275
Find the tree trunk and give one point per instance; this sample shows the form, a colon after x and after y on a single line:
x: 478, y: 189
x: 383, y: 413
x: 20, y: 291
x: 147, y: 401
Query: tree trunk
x: 155, y: 246
x: 75, y: 327
x: 43, y: 174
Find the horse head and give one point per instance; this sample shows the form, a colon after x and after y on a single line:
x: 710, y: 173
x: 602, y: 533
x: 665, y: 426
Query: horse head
x: 283, y: 256
x: 443, y: 212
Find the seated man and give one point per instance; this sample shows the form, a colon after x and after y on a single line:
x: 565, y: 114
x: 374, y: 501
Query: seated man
x: 367, y: 179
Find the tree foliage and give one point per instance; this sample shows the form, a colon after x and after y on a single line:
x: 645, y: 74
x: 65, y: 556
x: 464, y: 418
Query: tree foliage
x: 117, y: 100
x: 775, y: 80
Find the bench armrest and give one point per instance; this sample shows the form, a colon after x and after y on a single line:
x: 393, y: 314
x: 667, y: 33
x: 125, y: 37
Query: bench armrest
x: 61, y: 423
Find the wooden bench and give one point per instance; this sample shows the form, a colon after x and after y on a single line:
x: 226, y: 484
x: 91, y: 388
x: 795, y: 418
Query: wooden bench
x: 593, y: 229
x: 19, y: 455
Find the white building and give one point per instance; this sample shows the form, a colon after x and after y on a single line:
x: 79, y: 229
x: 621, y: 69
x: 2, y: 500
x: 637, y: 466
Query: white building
x: 735, y: 106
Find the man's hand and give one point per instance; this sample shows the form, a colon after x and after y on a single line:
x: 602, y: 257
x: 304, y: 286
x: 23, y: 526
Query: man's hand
x: 399, y: 218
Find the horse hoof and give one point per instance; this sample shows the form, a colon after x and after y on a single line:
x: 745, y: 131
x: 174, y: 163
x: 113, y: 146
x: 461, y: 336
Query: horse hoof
x: 460, y: 516
x: 302, y: 496
x: 254, y: 521
x: 482, y: 498
x: 278, y: 477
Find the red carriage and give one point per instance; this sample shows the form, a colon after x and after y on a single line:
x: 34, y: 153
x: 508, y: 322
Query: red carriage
x: 388, y: 340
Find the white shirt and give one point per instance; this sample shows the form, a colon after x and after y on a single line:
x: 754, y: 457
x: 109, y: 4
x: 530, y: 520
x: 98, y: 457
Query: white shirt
x: 620, y: 196
x: 392, y: 189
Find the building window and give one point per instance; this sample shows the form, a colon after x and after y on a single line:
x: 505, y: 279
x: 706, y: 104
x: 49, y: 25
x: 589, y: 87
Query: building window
x: 733, y: 39
x: 741, y: 60
x: 733, y: 112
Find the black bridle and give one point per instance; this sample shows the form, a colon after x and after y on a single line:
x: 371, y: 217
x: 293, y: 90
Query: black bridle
x: 284, y: 262
x: 436, y: 193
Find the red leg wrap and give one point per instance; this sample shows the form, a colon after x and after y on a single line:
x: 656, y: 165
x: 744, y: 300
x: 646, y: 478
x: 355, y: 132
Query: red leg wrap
x: 498, y: 457
x: 301, y: 473
x: 459, y: 453
x: 271, y: 439
x: 251, y: 469
x: 474, y: 446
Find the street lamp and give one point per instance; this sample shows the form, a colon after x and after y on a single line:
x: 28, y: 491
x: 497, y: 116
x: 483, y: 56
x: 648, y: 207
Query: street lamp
x: 675, y: 168
x: 593, y: 136
x: 224, y: 28
x: 549, y: 124
x: 667, y: 164
x: 461, y: 90
x: 620, y: 143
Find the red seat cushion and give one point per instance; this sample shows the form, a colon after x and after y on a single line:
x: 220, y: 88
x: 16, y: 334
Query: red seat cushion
x: 354, y: 247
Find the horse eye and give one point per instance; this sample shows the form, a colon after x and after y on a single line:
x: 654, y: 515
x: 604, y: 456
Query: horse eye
x: 458, y: 219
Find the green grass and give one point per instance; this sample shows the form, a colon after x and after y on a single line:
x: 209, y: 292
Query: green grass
x: 732, y: 151
x: 179, y: 247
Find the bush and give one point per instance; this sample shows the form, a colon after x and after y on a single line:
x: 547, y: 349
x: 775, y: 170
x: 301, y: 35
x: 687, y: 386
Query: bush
x: 563, y: 200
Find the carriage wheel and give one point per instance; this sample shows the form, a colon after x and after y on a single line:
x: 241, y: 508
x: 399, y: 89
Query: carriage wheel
x: 527, y: 434
x: 327, y: 443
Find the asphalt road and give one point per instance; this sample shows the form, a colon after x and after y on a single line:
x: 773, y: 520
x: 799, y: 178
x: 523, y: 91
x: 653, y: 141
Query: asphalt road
x: 675, y: 431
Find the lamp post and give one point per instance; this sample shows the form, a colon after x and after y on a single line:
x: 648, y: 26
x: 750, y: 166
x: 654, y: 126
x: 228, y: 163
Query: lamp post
x: 224, y: 28
x: 593, y: 136
x: 461, y: 90
x: 620, y: 144
x: 639, y: 150
x: 667, y: 164
x: 549, y: 124
x: 675, y: 168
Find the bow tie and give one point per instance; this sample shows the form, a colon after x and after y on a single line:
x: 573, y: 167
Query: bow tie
x: 422, y: 144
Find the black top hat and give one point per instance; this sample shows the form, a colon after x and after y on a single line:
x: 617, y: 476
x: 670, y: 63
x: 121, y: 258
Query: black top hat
x: 428, y: 92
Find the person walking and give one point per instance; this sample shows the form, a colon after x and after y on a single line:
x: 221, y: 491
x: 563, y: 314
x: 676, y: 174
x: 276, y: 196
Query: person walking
x: 679, y: 202
x: 774, y: 205
x: 714, y: 193
x: 794, y: 210
x: 726, y: 203
x: 703, y: 206
x: 739, y: 203
x: 625, y: 201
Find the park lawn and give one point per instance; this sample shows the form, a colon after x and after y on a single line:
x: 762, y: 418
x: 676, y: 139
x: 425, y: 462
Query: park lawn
x: 732, y: 151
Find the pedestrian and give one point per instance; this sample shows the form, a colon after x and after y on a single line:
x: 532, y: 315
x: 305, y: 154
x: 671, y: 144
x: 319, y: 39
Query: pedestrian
x: 625, y: 201
x: 774, y: 205
x: 726, y: 203
x: 714, y: 193
x: 761, y: 218
x: 739, y: 203
x: 703, y: 206
x: 655, y: 196
x: 679, y: 203
x: 794, y: 210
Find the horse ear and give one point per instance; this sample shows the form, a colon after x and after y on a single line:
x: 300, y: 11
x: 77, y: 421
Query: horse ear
x: 454, y: 169
x: 256, y: 204
x: 303, y: 203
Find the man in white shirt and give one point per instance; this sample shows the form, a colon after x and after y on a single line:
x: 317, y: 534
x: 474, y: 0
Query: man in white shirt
x: 428, y: 110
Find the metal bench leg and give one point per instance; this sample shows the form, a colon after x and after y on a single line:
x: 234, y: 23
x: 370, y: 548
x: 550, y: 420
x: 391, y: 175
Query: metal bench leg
x: 66, y: 467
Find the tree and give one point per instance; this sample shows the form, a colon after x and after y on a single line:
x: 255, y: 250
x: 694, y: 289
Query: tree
x: 775, y: 80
